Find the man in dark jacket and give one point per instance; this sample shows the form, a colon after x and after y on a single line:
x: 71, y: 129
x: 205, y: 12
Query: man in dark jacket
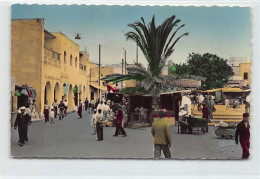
x: 205, y: 115
x: 242, y: 131
x: 22, y: 121
x: 118, y: 123
x: 62, y: 108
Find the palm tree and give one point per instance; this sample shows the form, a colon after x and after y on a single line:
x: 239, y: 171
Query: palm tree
x: 157, y: 45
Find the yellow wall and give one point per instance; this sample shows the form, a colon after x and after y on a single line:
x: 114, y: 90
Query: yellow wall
x: 27, y: 53
x: 245, y: 68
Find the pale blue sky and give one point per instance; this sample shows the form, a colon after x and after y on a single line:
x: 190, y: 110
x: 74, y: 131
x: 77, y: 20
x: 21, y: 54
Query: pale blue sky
x: 224, y: 31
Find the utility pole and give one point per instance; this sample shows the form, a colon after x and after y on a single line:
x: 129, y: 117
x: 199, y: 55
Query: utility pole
x: 125, y: 61
x: 122, y: 72
x: 99, y: 68
x: 90, y: 75
x: 136, y: 53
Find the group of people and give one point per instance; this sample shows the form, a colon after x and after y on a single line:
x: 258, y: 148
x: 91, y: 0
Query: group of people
x: 100, y: 115
x: 55, y: 110
x: 160, y: 129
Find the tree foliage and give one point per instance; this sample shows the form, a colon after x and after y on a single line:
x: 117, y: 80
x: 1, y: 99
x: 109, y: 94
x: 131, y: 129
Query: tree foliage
x: 156, y: 43
x: 215, y: 69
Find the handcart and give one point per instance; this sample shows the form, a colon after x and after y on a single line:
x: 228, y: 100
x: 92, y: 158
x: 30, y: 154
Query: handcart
x: 225, y: 132
x: 188, y: 124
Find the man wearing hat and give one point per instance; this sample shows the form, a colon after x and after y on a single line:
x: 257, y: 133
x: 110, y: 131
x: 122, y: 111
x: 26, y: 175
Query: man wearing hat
x: 22, y: 121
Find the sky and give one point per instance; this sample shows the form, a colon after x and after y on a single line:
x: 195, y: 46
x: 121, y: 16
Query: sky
x: 224, y: 31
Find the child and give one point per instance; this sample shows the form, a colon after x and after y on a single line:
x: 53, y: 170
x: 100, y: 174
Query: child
x: 93, y: 122
x: 52, y: 116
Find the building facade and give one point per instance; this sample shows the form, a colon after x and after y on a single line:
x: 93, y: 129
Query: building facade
x: 51, y: 63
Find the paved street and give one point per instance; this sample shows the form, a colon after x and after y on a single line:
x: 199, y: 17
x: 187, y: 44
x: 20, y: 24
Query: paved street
x: 71, y: 138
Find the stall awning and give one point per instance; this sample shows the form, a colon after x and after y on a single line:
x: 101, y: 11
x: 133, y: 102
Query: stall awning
x: 213, y: 90
x: 98, y: 87
x: 232, y: 90
x: 25, y: 90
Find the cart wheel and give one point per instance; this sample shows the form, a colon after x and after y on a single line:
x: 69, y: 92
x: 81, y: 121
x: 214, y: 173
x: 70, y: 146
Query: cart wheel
x: 230, y: 137
x: 203, y: 131
x: 223, y: 136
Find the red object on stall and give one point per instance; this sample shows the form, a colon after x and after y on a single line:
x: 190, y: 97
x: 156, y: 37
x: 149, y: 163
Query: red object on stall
x: 112, y: 89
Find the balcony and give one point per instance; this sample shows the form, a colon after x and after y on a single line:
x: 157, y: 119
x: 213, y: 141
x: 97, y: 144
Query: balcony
x: 82, y: 67
x: 51, y: 58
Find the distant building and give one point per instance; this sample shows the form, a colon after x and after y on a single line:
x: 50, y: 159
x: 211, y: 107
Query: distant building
x: 242, y: 73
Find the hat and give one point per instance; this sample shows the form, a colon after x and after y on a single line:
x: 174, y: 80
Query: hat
x: 22, y: 108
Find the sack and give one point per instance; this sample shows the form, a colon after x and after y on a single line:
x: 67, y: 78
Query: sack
x: 214, y: 109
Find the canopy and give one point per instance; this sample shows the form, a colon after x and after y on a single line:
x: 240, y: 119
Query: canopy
x: 25, y: 90
x: 98, y: 87
x: 213, y: 90
x: 233, y: 90
x: 225, y: 90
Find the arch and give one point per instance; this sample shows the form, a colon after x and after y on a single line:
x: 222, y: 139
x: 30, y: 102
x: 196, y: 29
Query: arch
x: 57, y: 92
x: 81, y: 93
x: 76, y: 95
x: 84, y: 93
x: 48, y: 93
x: 65, y: 96
x: 70, y: 98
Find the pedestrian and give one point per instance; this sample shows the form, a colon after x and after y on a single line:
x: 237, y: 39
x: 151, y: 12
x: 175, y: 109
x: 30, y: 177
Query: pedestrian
x: 46, y: 111
x: 141, y: 111
x: 80, y: 109
x: 86, y: 104
x: 200, y: 100
x: 124, y: 114
x: 99, y: 126
x: 205, y: 115
x: 227, y: 103
x: 247, y: 104
x: 118, y: 123
x: 242, y: 131
x: 106, y: 109
x: 62, y: 108
x: 52, y: 116
x: 22, y: 121
x: 99, y: 106
x: 162, y: 137
x: 92, y: 106
x: 211, y: 107
x: 65, y: 107
x: 55, y: 107
x: 94, y: 122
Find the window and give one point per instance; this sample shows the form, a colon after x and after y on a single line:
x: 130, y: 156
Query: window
x: 70, y: 60
x: 245, y: 76
x: 65, y: 57
x: 76, y: 61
